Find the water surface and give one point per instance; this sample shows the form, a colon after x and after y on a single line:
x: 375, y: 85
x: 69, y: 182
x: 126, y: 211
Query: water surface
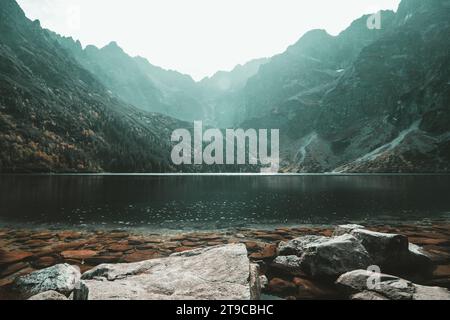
x: 213, y: 202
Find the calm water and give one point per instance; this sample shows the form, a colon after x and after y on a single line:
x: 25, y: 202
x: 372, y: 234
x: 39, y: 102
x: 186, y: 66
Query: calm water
x: 210, y: 202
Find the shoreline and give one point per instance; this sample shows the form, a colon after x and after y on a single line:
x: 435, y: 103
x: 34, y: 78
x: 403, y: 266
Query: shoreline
x: 26, y: 250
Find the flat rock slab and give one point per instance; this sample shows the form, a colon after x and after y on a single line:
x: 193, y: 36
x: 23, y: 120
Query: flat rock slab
x: 215, y: 273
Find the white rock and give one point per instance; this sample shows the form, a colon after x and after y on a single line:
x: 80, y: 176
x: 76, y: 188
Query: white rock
x: 49, y: 295
x: 215, y: 273
x: 390, y: 287
x: 368, y: 295
x: 62, y: 278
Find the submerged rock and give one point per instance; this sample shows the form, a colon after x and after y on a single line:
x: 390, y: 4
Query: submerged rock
x: 323, y: 256
x: 62, y: 278
x: 215, y: 273
x: 366, y: 285
x: 49, y: 295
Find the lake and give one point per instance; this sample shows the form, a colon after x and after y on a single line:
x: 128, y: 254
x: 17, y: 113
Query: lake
x: 208, y: 202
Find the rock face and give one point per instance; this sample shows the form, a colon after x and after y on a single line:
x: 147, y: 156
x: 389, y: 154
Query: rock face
x: 216, y: 273
x: 62, y: 278
x: 49, y: 295
x: 324, y: 257
x: 366, y: 285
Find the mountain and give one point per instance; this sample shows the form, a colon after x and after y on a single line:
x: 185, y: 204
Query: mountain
x: 137, y: 82
x: 233, y: 80
x: 222, y: 92
x: 366, y: 100
x: 56, y: 116
x: 363, y: 101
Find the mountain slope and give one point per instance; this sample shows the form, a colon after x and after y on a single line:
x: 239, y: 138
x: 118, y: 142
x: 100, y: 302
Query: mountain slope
x: 55, y: 116
x: 137, y: 82
x: 364, y: 101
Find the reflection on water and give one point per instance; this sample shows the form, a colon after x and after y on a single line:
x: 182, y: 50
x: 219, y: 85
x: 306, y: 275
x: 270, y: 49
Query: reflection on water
x: 209, y: 202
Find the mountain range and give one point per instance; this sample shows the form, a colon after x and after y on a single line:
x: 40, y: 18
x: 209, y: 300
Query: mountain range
x: 366, y: 100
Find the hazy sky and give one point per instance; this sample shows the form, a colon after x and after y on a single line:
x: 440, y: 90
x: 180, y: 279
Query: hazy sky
x: 198, y: 37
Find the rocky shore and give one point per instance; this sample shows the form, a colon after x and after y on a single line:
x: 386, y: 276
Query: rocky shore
x: 286, y: 263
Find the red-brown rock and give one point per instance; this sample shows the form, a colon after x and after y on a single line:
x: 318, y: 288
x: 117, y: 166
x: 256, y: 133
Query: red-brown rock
x: 78, y: 254
x: 13, y: 256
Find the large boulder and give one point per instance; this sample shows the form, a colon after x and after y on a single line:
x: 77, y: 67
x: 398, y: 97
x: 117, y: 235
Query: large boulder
x: 385, y: 249
x: 323, y: 256
x: 62, y: 278
x: 363, y: 284
x: 215, y: 273
x: 391, y: 252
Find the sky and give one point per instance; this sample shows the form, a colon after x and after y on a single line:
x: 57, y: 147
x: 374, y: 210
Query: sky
x: 198, y: 37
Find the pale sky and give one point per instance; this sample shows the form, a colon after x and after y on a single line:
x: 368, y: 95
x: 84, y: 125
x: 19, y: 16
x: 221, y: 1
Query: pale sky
x: 198, y: 37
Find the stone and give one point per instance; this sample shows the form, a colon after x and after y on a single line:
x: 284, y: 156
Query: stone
x: 69, y: 246
x: 307, y: 289
x: 13, y: 268
x: 217, y: 273
x: 10, y: 279
x: 268, y: 251
x: 118, y: 235
x: 43, y: 235
x: 140, y: 256
x: 44, y: 262
x: 62, y: 278
x: 368, y: 295
x: 120, y: 247
x: 254, y: 282
x: 418, y: 260
x: 7, y: 257
x: 283, y: 287
x: 69, y: 235
x: 291, y: 264
x: 190, y: 243
x: 264, y: 282
x: 385, y: 249
x: 442, y: 271
x: 252, y: 245
x: 327, y: 257
x: 346, y: 228
x: 49, y: 295
x: 78, y: 254
x: 390, y: 287
x: 109, y: 258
